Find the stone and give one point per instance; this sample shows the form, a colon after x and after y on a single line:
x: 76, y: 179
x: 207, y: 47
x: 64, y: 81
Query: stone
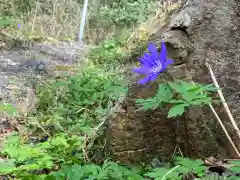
x: 198, y: 32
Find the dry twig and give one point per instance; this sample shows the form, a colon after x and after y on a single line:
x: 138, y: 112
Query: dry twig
x: 225, y: 105
x: 224, y: 129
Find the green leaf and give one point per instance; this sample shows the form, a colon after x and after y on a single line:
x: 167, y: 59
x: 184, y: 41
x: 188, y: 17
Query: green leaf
x: 176, y: 101
x: 181, y: 87
x: 203, y: 100
x: 164, y: 93
x: 189, y: 96
x: 4, y: 22
x: 7, y: 166
x: 9, y: 109
x: 237, y: 162
x: 176, y: 110
x: 190, y: 166
x: 150, y: 103
x: 210, y: 87
x: 159, y: 173
x: 235, y: 168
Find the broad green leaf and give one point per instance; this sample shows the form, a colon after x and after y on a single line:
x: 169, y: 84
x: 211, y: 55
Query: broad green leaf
x: 203, y: 100
x: 159, y: 173
x: 177, y: 87
x: 189, y: 165
x: 235, y: 169
x: 235, y: 162
x: 189, y: 96
x: 164, y: 93
x: 176, y: 101
x: 176, y: 110
x: 7, y: 166
x: 210, y: 87
x: 150, y: 103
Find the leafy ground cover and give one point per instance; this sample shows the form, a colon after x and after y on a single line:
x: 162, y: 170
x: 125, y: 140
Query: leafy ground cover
x: 56, y: 139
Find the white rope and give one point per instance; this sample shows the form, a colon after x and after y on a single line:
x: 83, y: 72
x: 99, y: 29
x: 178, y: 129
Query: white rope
x: 83, y: 20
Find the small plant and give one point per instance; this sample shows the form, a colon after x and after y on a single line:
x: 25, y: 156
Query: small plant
x: 184, y: 167
x: 189, y: 167
x: 108, y: 52
x: 67, y: 111
x: 78, y: 102
x: 109, y: 170
x: 25, y: 159
x: 177, y: 95
x: 122, y: 13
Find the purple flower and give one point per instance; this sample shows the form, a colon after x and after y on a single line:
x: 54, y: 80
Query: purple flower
x: 19, y: 26
x: 153, y: 64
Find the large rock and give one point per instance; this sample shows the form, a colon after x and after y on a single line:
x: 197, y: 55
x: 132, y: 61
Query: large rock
x: 198, y: 32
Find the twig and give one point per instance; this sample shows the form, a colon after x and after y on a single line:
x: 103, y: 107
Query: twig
x: 175, y: 150
x: 224, y: 129
x: 171, y: 170
x: 40, y: 126
x: 103, y: 121
x: 86, y: 158
x: 225, y: 105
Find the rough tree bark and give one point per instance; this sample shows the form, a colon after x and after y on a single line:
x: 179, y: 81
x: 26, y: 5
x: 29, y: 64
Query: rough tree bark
x: 201, y: 31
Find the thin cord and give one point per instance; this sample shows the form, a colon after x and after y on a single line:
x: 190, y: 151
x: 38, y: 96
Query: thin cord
x: 83, y: 20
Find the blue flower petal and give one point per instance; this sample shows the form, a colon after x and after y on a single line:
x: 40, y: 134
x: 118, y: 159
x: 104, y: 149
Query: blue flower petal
x: 153, y: 77
x: 166, y: 64
x: 141, y: 70
x: 153, y: 63
x: 144, y: 60
x: 144, y: 80
x: 154, y: 52
x: 163, y: 53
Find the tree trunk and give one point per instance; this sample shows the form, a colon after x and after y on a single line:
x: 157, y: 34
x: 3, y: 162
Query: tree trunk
x: 201, y: 31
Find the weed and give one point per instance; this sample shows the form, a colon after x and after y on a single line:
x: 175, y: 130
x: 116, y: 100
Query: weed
x: 60, y: 19
x: 77, y: 102
x: 178, y: 95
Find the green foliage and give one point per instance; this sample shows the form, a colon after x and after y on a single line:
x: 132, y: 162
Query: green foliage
x: 112, y: 52
x: 8, y: 108
x: 24, y: 159
x: 191, y: 166
x: 41, y: 161
x: 67, y: 111
x: 16, y: 7
x: 159, y: 173
x: 109, y: 170
x: 4, y: 21
x: 78, y: 102
x: 121, y: 13
x: 108, y: 52
x: 183, y: 167
x: 236, y: 166
x: 104, y: 18
x: 178, y: 95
